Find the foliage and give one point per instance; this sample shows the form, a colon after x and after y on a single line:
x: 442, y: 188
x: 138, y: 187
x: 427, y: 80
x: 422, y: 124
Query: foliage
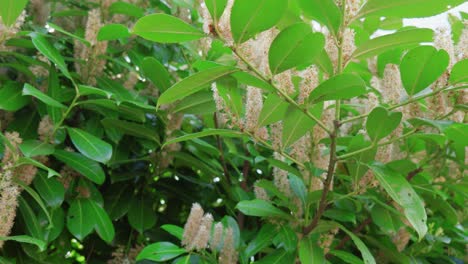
x: 305, y: 132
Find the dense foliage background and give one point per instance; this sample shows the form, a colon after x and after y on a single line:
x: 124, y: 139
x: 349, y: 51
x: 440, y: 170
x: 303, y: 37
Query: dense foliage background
x: 222, y: 131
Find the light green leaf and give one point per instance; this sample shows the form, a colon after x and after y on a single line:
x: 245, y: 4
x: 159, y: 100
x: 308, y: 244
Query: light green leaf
x: 156, y: 73
x: 30, y: 90
x: 401, y: 39
x: 407, y: 8
x: 87, y: 167
x: 200, y: 103
x: 194, y: 83
x: 295, y: 46
x: 260, y: 208
x: 324, y: 11
x: 296, y: 123
x: 50, y: 189
x: 10, y: 10
x: 273, y: 110
x: 102, y: 222
x: 288, y: 238
x: 165, y: 29
x: 90, y: 145
x: 206, y: 133
x: 404, y: 195
x: 124, y: 8
x: 174, y: 230
x: 44, y: 47
x: 161, y: 251
x: 250, y: 80
x: 11, y: 97
x: 89, y: 90
x: 310, y: 252
x: 441, y: 125
x: 346, y: 257
x: 381, y: 123
x: 113, y: 32
x: 141, y: 215
x: 216, y: 8
x: 130, y: 128
x: 61, y: 30
x: 422, y: 66
x: 340, y: 87
x: 248, y: 17
x: 42, y: 245
x: 31, y: 148
x: 459, y: 73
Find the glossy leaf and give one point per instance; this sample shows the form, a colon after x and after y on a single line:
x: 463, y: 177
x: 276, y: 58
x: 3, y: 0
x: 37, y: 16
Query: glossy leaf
x: 324, y: 11
x: 30, y: 90
x: 124, y: 8
x: 288, y: 238
x: 200, y: 103
x: 31, y: 148
x: 404, y: 195
x: 131, y: 128
x: 80, y: 223
x: 42, y: 245
x: 310, y: 252
x: 36, y: 198
x: 102, y: 222
x: 248, y: 17
x: 346, y: 257
x: 113, y: 32
x: 30, y: 161
x: 205, y: 133
x: 87, y: 167
x: 381, y: 123
x: 194, y: 83
x: 260, y: 208
x: 295, y: 46
x: 174, y: 230
x: 274, y: 109
x: 422, y: 66
x: 459, y: 73
x: 407, y: 8
x: 161, y: 251
x: 90, y: 145
x: 43, y: 46
x: 10, y: 10
x: 216, y: 8
x: 165, y: 29
x: 50, y: 189
x: 156, y: 73
x: 11, y: 97
x: 340, y: 87
x: 401, y: 39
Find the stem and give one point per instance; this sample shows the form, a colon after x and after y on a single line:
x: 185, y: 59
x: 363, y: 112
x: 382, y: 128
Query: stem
x: 67, y: 112
x: 221, y: 153
x: 328, y: 181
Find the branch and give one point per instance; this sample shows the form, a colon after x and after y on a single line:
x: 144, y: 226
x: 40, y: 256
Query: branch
x: 328, y: 182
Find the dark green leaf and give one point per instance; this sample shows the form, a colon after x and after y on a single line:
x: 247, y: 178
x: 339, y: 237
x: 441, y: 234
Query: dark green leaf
x: 43, y: 46
x: 346, y: 257
x: 260, y: 208
x: 102, y: 222
x: 200, y: 103
x: 42, y: 245
x: 263, y: 239
x: 288, y: 238
x: 295, y: 46
x: 165, y: 29
x: 87, y: 167
x: 161, y: 251
x: 156, y: 72
x: 79, y: 222
x: 279, y: 256
x: 50, y: 189
x: 130, y: 128
x: 205, y: 133
x: 140, y: 215
x: 174, y: 230
x: 30, y: 90
x: 248, y: 17
x: 31, y: 148
x: 90, y: 145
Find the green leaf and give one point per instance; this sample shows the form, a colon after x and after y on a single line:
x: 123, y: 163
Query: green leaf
x: 298, y: 187
x: 324, y: 11
x: 161, y: 251
x: 11, y: 97
x: 10, y: 10
x: 174, y: 230
x: 441, y: 125
x: 296, y: 124
x: 403, y: 194
x: 279, y: 256
x: 248, y: 17
x: 165, y: 29
x: 194, y: 83
x: 260, y: 208
x: 44, y: 47
x: 422, y: 66
x: 141, y: 216
x: 459, y: 73
x: 156, y: 73
x: 383, y: 218
x: 288, y: 238
x: 346, y: 257
x: 87, y: 167
x: 295, y: 46
x: 401, y: 39
x: 130, y: 128
x: 263, y: 239
x: 42, y: 245
x: 200, y: 103
x: 340, y: 87
x: 50, y: 189
x: 90, y: 145
x: 250, y: 80
x: 80, y: 223
x: 407, y: 8
x: 205, y: 133
x: 366, y: 255
x: 63, y: 31
x: 113, y: 32
x: 310, y: 252
x: 125, y: 8
x: 26, y: 160
x: 36, y: 198
x: 30, y: 219
x: 117, y: 200
x: 31, y: 148
x: 216, y: 8
x: 89, y: 90
x: 30, y: 90
x: 458, y: 133
x: 102, y: 222
x: 381, y: 123
x: 273, y: 110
